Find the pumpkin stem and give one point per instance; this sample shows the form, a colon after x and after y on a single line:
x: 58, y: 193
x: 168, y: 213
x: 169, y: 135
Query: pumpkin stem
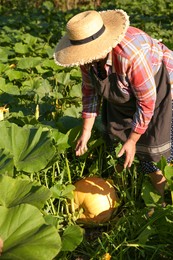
x: 70, y: 181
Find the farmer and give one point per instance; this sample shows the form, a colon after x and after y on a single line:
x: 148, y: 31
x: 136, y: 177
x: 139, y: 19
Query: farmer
x: 131, y: 75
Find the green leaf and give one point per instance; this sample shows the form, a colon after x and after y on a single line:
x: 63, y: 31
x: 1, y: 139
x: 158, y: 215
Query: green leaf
x: 145, y: 234
x: 71, y: 238
x: 44, y: 88
x: 3, y: 68
x: 47, y: 63
x: 29, y: 39
x: 168, y: 172
x: 4, y: 54
x: 162, y: 163
x: 29, y: 62
x: 68, y: 191
x: 14, y: 192
x: 69, y: 122
x: 31, y: 147
x: 14, y: 74
x: 21, y: 48
x: 76, y: 91
x: 61, y: 140
x: 75, y: 73
x: 6, y: 163
x: 63, y: 78
x: 2, y: 84
x: 59, y: 191
x: 26, y: 235
x: 10, y: 89
x: 72, y: 111
x: 49, y: 5
x: 149, y: 194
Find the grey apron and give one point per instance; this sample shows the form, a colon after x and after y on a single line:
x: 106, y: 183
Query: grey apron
x: 118, y: 110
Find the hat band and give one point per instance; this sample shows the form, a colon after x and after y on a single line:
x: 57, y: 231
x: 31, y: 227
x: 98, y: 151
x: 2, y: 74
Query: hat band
x: 90, y: 38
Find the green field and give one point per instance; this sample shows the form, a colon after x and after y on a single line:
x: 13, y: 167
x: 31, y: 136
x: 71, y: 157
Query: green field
x: 39, y: 126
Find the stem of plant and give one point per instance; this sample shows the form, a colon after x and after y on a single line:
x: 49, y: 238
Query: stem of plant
x: 70, y: 181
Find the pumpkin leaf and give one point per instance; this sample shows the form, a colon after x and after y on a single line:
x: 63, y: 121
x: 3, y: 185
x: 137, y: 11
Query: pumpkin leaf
x: 59, y: 191
x: 149, y: 194
x: 26, y: 235
x: 168, y: 171
x: 6, y: 163
x: 31, y: 147
x: 28, y: 62
x: 21, y: 48
x: 71, y: 238
x: 14, y: 192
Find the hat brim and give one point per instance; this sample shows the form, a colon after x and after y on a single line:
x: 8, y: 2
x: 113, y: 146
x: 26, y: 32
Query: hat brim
x: 116, y: 23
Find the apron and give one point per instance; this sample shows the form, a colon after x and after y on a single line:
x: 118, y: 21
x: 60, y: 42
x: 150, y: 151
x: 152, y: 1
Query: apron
x: 118, y: 110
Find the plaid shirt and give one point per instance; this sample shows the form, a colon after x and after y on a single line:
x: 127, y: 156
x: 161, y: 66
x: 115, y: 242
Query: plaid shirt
x: 136, y: 60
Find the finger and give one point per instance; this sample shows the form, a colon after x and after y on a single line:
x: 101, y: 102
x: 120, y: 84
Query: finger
x: 128, y: 162
x: 78, y: 144
x: 81, y: 150
x: 121, y: 153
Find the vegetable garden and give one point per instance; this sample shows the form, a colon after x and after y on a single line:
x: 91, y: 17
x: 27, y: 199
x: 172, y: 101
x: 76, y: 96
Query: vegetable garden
x: 40, y: 120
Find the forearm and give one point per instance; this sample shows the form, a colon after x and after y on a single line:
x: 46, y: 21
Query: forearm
x: 88, y: 124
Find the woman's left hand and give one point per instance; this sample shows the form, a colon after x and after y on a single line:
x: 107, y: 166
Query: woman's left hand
x: 129, y: 149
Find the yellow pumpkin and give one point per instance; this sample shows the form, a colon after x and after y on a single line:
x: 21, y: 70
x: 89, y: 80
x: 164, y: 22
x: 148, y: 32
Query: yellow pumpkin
x: 96, y: 199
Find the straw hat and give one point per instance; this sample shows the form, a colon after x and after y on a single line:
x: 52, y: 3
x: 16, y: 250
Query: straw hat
x: 90, y: 36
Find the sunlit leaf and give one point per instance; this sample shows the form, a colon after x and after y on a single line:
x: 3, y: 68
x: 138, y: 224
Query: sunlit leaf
x: 28, y: 62
x: 13, y: 74
x: 32, y: 148
x: 10, y: 89
x: 21, y: 48
x: 14, y: 192
x: 26, y: 235
x: 63, y: 77
x: 6, y: 163
x: 59, y: 191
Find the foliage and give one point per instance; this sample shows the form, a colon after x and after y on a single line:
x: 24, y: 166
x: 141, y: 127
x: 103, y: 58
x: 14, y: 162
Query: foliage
x: 38, y: 165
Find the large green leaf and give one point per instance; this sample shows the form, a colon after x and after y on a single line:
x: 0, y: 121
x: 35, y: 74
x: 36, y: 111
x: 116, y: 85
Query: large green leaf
x: 32, y: 148
x: 21, y: 48
x: 26, y: 235
x: 14, y: 192
x: 61, y: 140
x: 14, y: 74
x: 6, y: 163
x: 28, y: 62
x: 10, y: 89
x: 71, y: 238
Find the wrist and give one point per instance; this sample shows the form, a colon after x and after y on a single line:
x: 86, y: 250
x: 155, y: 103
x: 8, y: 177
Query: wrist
x: 86, y: 129
x: 134, y: 137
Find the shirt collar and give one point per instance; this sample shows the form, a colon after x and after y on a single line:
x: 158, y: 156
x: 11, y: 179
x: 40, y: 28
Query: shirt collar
x: 109, y: 59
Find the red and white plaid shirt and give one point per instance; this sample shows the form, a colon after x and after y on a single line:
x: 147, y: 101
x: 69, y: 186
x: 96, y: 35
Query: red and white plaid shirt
x: 137, y: 59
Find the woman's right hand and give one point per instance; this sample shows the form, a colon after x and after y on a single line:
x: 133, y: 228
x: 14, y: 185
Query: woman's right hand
x: 81, y: 146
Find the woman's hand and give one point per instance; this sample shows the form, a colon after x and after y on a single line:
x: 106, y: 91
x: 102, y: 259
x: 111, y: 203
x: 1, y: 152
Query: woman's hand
x: 81, y: 146
x: 129, y: 149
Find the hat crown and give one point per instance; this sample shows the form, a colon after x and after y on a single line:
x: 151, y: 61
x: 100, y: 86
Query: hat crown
x: 84, y: 25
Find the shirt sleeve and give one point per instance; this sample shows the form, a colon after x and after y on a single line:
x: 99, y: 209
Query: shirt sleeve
x: 90, y: 99
x: 144, y: 89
